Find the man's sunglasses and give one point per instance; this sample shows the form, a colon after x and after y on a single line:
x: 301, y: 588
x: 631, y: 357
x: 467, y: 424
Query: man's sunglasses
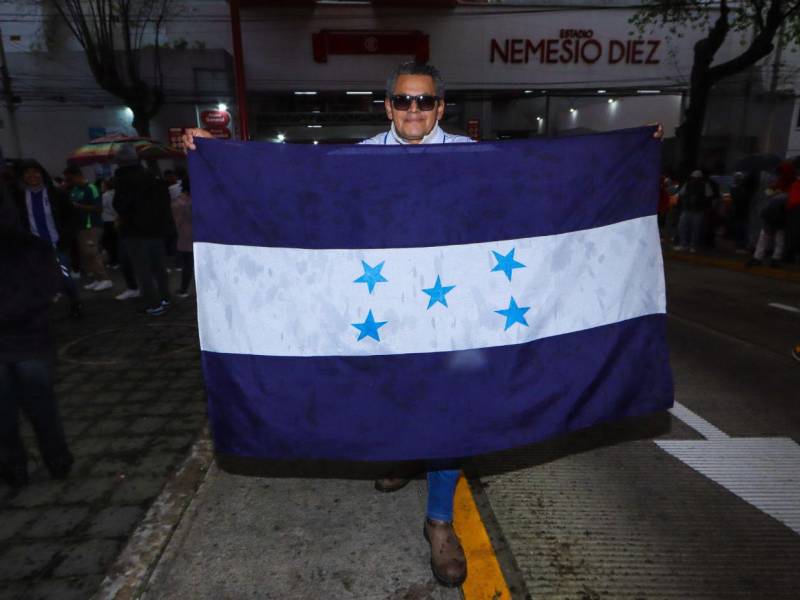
x: 424, y: 102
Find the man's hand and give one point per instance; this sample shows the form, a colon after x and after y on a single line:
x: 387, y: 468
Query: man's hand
x: 188, y: 137
x: 659, y: 132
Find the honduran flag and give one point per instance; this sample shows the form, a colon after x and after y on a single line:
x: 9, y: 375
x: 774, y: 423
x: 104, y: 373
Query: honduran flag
x: 427, y: 301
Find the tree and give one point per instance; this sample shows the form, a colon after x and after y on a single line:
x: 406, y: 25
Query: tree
x: 762, y: 20
x: 113, y: 35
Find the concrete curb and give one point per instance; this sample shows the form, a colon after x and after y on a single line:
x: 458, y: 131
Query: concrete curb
x: 129, y: 573
x: 733, y: 265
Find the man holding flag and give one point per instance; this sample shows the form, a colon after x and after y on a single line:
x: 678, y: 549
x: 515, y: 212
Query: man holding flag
x: 414, y: 104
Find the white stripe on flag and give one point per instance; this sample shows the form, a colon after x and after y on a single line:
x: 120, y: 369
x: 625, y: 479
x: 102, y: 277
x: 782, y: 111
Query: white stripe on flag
x: 299, y: 302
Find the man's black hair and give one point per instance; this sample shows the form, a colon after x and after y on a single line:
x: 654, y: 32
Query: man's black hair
x: 30, y: 163
x: 73, y: 170
x: 414, y: 68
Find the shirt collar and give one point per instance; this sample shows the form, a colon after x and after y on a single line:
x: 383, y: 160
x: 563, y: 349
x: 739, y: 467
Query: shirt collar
x: 436, y: 136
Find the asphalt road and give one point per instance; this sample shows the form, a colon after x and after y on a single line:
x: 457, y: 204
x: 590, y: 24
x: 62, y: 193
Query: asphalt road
x: 702, y: 503
x: 725, y: 336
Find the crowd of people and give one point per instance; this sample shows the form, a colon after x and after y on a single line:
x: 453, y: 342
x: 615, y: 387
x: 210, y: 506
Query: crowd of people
x: 760, y: 214
x: 53, y: 232
x: 136, y: 221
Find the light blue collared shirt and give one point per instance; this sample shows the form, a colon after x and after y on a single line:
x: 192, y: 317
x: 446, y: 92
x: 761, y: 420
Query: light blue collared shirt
x: 436, y: 136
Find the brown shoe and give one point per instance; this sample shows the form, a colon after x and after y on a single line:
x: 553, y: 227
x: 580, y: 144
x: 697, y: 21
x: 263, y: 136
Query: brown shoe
x: 399, y: 474
x: 390, y: 484
x: 448, y: 563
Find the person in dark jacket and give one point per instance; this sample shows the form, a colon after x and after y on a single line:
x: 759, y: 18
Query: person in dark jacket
x: 773, y: 218
x: 142, y: 202
x: 31, y: 276
x: 696, y: 198
x: 45, y: 211
x: 742, y: 191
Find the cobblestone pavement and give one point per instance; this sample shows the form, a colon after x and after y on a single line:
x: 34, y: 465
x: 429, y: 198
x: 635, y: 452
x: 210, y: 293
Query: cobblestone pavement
x: 132, y: 400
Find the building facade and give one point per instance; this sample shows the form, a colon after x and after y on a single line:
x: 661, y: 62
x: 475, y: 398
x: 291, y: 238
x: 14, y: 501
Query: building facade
x: 316, y: 71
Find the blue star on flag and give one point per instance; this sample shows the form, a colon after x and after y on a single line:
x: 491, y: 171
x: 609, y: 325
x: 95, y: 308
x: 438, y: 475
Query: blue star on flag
x: 371, y: 276
x: 506, y: 263
x: 514, y: 314
x: 369, y: 328
x: 438, y: 292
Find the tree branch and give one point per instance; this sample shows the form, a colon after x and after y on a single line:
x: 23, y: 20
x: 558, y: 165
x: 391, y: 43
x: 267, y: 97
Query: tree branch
x: 759, y: 47
x: 97, y: 25
x: 759, y: 9
x: 792, y: 11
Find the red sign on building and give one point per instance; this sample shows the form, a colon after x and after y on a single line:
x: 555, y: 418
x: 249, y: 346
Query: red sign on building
x: 328, y: 42
x: 576, y: 46
x: 215, y: 118
x: 216, y: 122
x: 222, y: 133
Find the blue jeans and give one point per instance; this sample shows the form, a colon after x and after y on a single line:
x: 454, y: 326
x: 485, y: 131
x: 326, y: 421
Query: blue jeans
x: 28, y: 385
x: 441, y: 490
x: 148, y: 259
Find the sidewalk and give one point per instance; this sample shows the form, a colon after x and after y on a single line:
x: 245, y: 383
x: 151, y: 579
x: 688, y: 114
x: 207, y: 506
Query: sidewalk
x: 298, y: 530
x: 724, y: 256
x: 132, y: 401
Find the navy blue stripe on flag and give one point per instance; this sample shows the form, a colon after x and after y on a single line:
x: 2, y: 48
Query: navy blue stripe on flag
x: 326, y: 196
x: 439, y: 405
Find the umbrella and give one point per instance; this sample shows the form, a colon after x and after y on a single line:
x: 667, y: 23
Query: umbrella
x: 103, y: 150
x: 757, y: 162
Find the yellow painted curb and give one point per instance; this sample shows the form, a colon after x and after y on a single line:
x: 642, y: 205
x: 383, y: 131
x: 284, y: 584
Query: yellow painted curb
x: 485, y: 580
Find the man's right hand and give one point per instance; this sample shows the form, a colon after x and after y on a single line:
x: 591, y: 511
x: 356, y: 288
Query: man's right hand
x: 188, y: 137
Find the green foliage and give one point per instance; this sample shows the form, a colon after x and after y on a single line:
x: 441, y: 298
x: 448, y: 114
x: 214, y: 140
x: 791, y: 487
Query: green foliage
x: 745, y: 17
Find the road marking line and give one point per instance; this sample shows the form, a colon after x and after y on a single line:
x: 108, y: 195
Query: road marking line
x: 698, y: 423
x: 485, y: 579
x: 764, y: 472
x: 793, y: 309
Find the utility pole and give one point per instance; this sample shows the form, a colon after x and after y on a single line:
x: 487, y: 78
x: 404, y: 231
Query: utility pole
x: 5, y: 79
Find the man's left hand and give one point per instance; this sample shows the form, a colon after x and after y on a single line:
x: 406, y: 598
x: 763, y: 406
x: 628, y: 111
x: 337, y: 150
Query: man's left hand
x: 659, y: 132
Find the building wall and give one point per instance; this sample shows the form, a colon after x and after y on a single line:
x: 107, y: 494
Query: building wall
x: 793, y: 145
x: 62, y: 107
x: 278, y: 48
x: 632, y: 111
x: 59, y: 94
